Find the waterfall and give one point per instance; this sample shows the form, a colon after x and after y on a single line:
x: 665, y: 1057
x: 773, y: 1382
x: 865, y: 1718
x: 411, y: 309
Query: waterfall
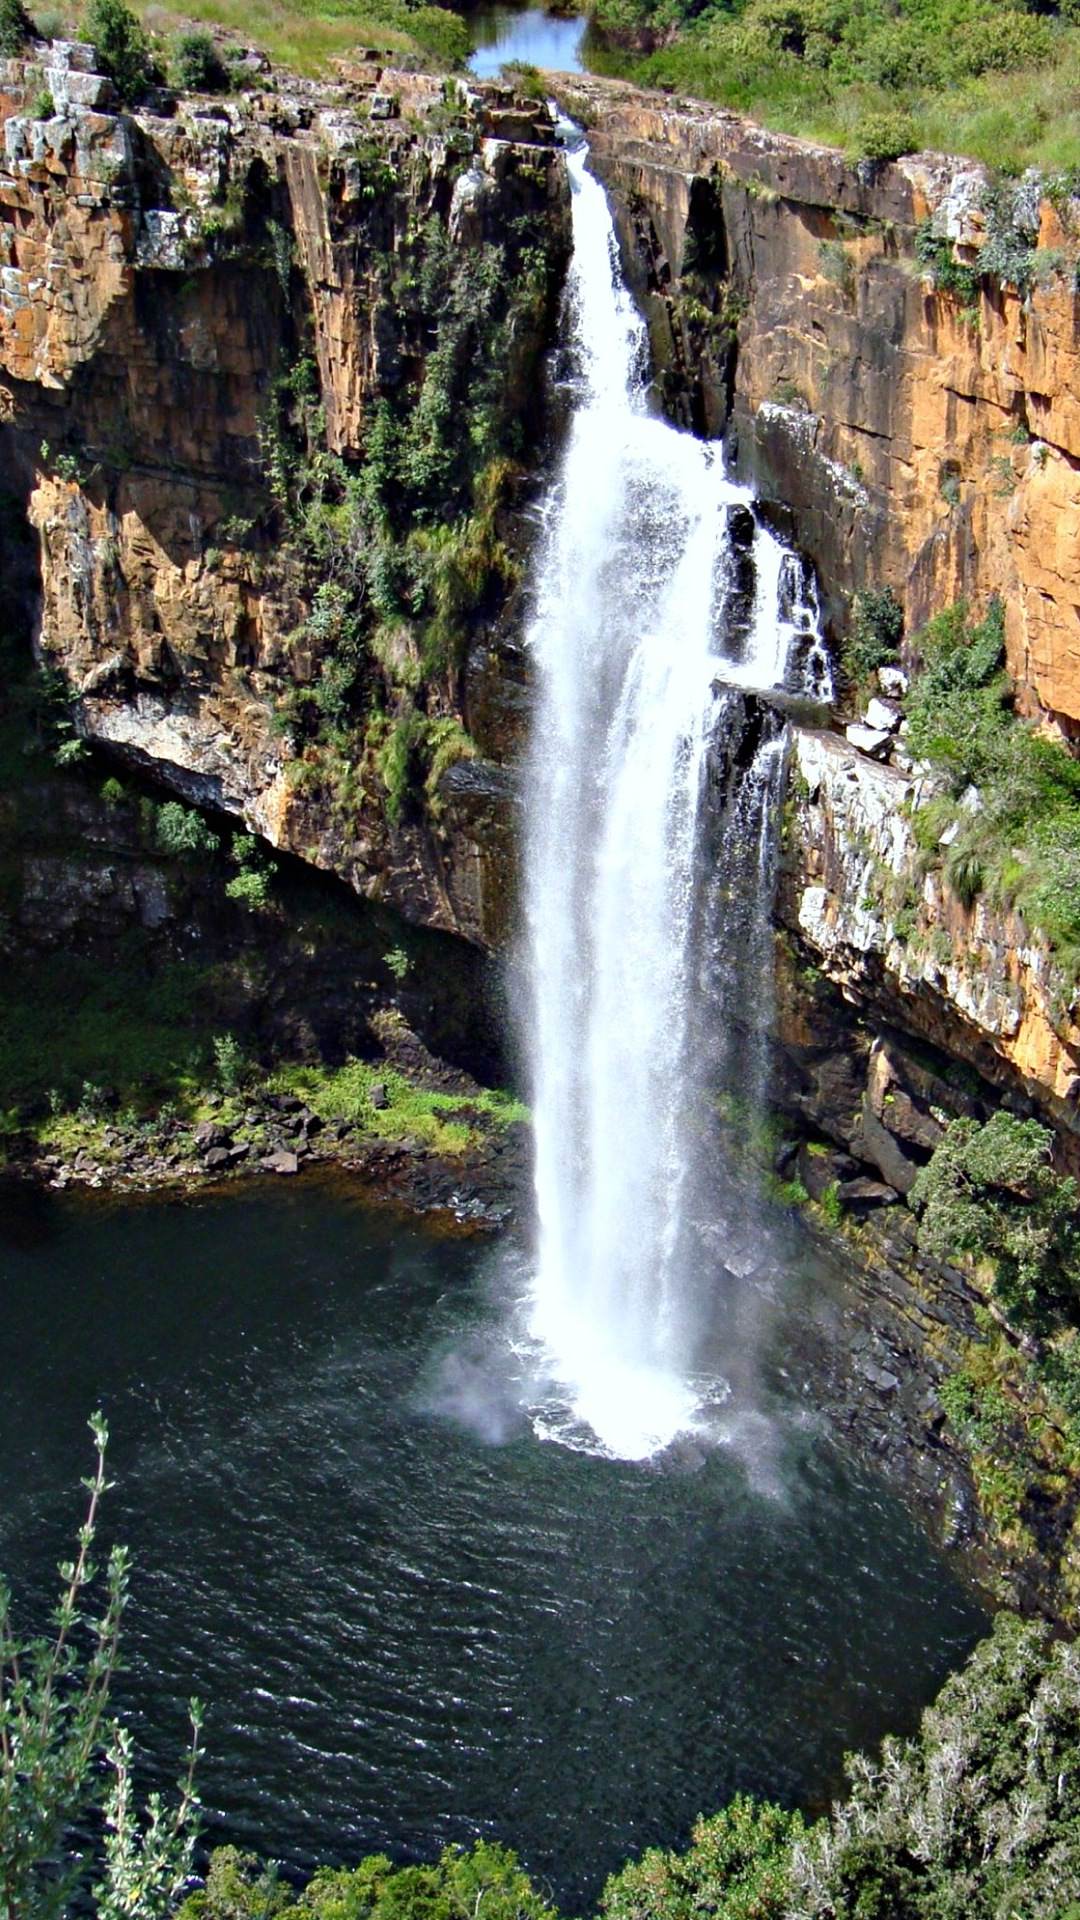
x: 660, y: 598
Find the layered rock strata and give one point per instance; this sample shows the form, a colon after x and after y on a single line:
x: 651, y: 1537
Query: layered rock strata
x: 919, y: 438
x: 161, y: 275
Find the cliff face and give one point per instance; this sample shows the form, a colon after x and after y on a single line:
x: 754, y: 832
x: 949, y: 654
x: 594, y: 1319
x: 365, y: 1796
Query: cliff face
x: 921, y: 439
x: 204, y: 311
x: 971, y: 981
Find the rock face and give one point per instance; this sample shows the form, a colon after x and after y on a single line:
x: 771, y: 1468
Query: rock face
x: 920, y: 440
x: 175, y: 285
x: 969, y: 980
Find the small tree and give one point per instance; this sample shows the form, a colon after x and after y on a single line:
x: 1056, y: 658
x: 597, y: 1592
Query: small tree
x: 197, y: 65
x: 56, y: 1730
x: 122, y: 47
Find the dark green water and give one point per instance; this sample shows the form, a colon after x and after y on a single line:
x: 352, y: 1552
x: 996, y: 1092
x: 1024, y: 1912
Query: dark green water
x: 408, y: 1631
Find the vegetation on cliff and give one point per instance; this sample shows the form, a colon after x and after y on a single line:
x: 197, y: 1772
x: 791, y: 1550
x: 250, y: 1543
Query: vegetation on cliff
x: 997, y: 807
x: 975, y: 76
x: 401, y: 551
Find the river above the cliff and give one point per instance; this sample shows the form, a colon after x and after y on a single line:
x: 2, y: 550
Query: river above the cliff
x: 531, y: 35
x: 412, y: 1620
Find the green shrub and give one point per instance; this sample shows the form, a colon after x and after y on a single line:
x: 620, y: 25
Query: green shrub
x: 991, y: 1192
x: 182, y: 833
x: 737, y: 1867
x: 486, y: 1880
x: 16, y: 28
x: 197, y: 64
x: 976, y: 1818
x: 885, y: 136
x: 228, y: 1061
x: 1020, y: 841
x: 877, y: 628
x: 122, y: 47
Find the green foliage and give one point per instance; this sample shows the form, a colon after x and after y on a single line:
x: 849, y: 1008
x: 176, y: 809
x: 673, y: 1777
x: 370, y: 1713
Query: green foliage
x: 737, y: 1867
x: 886, y: 135
x: 181, y: 832
x: 44, y: 105
x: 935, y: 254
x: 443, y: 1121
x: 836, y: 265
x: 831, y: 1204
x: 16, y: 28
x: 402, y: 553
x: 197, y: 65
x: 990, y: 1192
x: 397, y: 962
x: 877, y: 627
x: 484, y: 1880
x: 229, y: 1062
x: 1021, y: 842
x: 250, y: 885
x: 882, y: 77
x: 977, y: 1818
x: 122, y: 47
x: 63, y: 1758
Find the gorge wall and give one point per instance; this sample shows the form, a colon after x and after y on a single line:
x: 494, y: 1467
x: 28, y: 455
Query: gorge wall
x: 919, y: 440
x: 209, y: 313
x: 908, y: 438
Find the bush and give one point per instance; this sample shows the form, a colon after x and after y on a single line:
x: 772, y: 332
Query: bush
x: 183, y: 833
x: 16, y: 28
x: 885, y: 136
x: 991, y: 1192
x: 486, y: 1880
x: 877, y: 628
x: 197, y: 65
x: 122, y: 47
x: 737, y: 1867
x: 1019, y: 839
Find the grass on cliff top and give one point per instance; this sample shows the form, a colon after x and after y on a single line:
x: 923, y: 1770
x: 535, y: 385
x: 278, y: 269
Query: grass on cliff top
x: 1000, y: 82
x: 301, y: 36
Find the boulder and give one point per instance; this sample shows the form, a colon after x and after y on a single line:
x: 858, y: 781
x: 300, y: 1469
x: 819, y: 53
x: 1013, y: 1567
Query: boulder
x: 871, y: 740
x: 280, y: 1161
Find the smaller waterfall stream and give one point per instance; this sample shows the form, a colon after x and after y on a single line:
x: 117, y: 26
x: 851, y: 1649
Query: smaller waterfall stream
x: 644, y: 635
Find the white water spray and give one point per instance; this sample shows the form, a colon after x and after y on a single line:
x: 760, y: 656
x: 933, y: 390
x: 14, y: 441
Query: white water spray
x: 637, y: 640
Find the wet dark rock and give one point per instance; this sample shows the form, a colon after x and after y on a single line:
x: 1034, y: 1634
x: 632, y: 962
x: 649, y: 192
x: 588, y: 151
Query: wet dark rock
x: 280, y: 1161
x: 875, y: 1143
x: 284, y: 1103
x: 378, y: 1096
x: 210, y: 1134
x: 867, y: 1193
x: 216, y: 1158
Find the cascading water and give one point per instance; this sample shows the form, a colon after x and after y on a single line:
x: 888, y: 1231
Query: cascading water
x: 643, y: 633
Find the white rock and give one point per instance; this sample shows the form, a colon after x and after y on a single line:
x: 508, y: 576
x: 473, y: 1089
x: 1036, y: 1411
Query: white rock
x: 872, y: 740
x: 893, y: 682
x: 884, y: 714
